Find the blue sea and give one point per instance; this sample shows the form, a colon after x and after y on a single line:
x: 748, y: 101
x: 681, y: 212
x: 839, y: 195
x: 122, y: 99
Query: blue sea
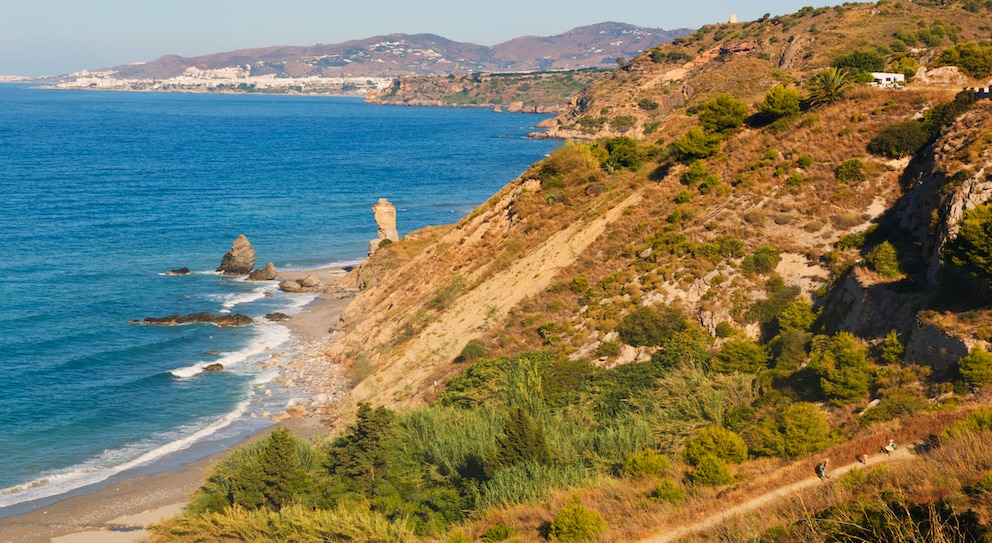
x: 102, y: 193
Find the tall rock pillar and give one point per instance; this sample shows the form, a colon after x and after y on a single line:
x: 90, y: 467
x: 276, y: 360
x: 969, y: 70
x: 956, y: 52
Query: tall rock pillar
x: 385, y: 219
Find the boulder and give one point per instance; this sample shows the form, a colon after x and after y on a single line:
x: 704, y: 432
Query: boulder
x: 277, y: 317
x: 240, y: 259
x: 213, y: 367
x: 310, y: 282
x: 203, y: 317
x: 268, y: 273
x: 179, y: 271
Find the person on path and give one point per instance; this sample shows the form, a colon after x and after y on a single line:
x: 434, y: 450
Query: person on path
x: 821, y: 470
x: 864, y: 457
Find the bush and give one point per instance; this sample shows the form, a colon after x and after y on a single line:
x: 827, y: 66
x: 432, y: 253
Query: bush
x: 892, y: 349
x: 650, y: 326
x: 472, y: 351
x: 976, y: 366
x: 721, y: 114
x: 972, y: 249
x: 623, y: 153
x: 608, y: 349
x: 711, y: 471
x: 576, y: 523
x: 669, y: 492
x: 898, y: 140
x: 842, y: 363
x: 647, y: 463
x: 741, y: 355
x: 715, y: 441
x: 796, y: 430
x: 459, y: 537
x: 647, y: 104
x: 974, y: 59
x: 780, y: 102
x: 696, y: 144
x: 884, y: 260
x: 804, y: 162
x: 860, y: 61
x: 499, y: 532
x: 763, y: 260
x: 850, y: 170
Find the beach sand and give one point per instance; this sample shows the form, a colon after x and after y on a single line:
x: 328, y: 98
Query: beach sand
x: 118, y: 512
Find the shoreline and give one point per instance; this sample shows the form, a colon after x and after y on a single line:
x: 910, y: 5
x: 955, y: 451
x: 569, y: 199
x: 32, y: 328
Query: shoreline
x: 118, y: 509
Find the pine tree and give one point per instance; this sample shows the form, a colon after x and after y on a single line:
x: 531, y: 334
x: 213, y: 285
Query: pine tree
x: 522, y: 440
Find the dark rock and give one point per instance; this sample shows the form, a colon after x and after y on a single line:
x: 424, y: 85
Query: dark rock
x: 277, y: 317
x: 219, y: 320
x: 180, y: 271
x: 213, y: 367
x: 240, y: 259
x: 267, y: 273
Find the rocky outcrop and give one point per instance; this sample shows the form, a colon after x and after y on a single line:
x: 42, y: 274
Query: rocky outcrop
x: 179, y: 271
x: 277, y: 317
x: 385, y: 219
x: 928, y: 345
x: 307, y: 284
x: 240, y: 259
x: 203, y: 317
x: 213, y: 367
x: 268, y: 273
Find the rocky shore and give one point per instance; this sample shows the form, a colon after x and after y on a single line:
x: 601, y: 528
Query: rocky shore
x: 118, y: 511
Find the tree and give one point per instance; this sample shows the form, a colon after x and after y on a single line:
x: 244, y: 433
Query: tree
x: 361, y: 454
x: 281, y: 475
x: 741, y: 355
x: 722, y: 114
x: 842, y: 363
x: 972, y: 249
x: 973, y: 58
x: 650, y: 326
x: 976, y: 366
x: 828, y: 86
x: 522, y: 440
x: 696, y: 144
x: 716, y: 441
x: 622, y: 153
x: 884, y: 259
x: 899, y: 139
x: 860, y: 61
x: 892, y: 349
x: 796, y: 430
x: 780, y: 102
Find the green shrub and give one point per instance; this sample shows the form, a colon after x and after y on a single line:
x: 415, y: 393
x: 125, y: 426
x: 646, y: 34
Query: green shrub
x: 711, y: 471
x: 900, y: 139
x: 721, y: 114
x: 696, y: 143
x: 459, y: 537
x: 574, y: 522
x: 472, y: 351
x: 860, y: 61
x: 499, y: 532
x: 647, y: 104
x: 646, y: 463
x: 892, y: 349
x: 523, y: 440
x: 608, y: 349
x: 852, y: 169
x: 979, y: 421
x: 622, y: 153
x: 796, y: 430
x: 741, y: 355
x: 683, y: 197
x: 972, y: 249
x: 804, y: 161
x: 724, y: 329
x: 715, y: 441
x: 842, y: 363
x: 780, y: 102
x: 650, y: 326
x: 976, y: 366
x: 668, y: 492
x: 763, y: 260
x: 884, y: 260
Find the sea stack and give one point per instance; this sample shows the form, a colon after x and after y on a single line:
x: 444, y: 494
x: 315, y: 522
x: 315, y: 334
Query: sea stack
x: 385, y: 218
x: 240, y: 259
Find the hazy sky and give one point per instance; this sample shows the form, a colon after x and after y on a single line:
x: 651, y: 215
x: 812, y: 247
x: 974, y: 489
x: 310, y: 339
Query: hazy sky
x: 53, y: 37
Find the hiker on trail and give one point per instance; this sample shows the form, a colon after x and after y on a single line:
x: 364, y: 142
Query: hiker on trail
x: 864, y: 457
x: 821, y: 469
x: 891, y: 447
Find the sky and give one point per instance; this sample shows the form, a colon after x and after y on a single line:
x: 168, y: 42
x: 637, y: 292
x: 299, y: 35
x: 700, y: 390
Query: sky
x: 52, y: 37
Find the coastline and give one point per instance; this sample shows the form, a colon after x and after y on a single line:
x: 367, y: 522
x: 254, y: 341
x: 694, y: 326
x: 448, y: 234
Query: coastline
x: 117, y: 510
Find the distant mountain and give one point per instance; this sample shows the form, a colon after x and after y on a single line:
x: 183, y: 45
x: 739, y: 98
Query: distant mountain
x: 420, y: 54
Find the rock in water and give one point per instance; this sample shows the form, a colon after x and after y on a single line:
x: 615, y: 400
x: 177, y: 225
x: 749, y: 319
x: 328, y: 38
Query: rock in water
x: 385, y: 218
x: 213, y: 367
x: 181, y: 271
x: 267, y: 273
x: 220, y: 320
x: 240, y: 259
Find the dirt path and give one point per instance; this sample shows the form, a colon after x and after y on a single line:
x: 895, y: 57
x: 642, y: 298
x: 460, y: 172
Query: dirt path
x: 765, y: 499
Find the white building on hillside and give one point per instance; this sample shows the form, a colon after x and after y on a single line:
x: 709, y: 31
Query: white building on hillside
x: 888, y: 80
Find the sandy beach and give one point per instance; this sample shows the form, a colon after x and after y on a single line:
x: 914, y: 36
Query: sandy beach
x: 119, y: 510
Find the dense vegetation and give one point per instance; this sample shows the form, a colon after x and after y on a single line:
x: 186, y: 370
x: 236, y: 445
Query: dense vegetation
x: 608, y: 395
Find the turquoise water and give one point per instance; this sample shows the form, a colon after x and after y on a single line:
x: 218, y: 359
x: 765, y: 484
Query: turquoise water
x: 104, y: 192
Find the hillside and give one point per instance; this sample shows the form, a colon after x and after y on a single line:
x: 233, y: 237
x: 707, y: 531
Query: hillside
x: 359, y: 64
x: 747, y: 260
